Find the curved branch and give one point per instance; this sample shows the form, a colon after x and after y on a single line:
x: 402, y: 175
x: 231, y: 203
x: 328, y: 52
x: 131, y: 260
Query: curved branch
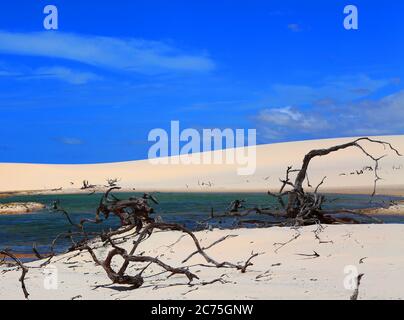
x: 24, y: 270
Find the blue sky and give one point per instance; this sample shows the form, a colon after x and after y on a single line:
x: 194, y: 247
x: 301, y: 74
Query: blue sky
x: 92, y: 90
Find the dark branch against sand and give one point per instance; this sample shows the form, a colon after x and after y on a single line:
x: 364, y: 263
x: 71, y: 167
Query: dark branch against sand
x: 24, y: 270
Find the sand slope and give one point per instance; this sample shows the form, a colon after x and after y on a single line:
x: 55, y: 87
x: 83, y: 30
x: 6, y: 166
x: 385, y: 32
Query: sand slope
x: 272, y: 161
x: 275, y: 275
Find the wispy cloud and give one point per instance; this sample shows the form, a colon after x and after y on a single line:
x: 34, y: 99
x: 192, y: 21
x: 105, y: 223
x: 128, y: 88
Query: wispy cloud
x: 132, y: 55
x: 56, y: 72
x: 295, y: 27
x: 66, y: 74
x: 325, y: 102
x: 280, y: 122
x: 328, y: 91
x: 383, y: 116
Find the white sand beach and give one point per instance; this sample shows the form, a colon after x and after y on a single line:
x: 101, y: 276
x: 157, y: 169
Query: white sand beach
x: 306, y: 268
x: 272, y: 160
x: 289, y: 273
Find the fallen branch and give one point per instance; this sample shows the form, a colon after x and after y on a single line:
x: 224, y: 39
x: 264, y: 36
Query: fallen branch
x: 208, y: 247
x: 24, y: 270
x: 358, y: 283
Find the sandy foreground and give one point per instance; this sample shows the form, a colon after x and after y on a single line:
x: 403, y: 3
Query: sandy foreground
x: 272, y: 160
x: 374, y: 250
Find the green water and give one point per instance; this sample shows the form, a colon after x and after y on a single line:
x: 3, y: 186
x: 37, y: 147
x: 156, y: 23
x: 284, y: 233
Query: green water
x: 19, y: 232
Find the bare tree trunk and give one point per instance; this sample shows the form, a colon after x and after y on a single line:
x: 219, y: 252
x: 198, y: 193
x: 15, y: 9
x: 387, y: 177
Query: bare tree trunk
x: 297, y: 197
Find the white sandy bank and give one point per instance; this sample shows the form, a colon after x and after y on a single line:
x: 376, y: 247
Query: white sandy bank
x: 20, y: 208
x: 272, y: 160
x: 375, y: 250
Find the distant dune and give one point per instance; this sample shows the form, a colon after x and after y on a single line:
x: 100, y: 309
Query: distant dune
x: 343, y: 171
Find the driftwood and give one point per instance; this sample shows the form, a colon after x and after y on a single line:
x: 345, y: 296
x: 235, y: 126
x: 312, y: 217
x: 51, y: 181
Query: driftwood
x: 111, y: 183
x: 24, y: 270
x: 120, y: 277
x: 295, y: 206
x: 137, y: 226
x: 87, y: 185
x: 306, y: 208
x: 355, y: 295
x: 131, y: 211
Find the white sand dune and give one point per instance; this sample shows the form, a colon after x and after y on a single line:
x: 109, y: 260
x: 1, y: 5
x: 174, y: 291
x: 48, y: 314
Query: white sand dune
x: 374, y: 250
x: 272, y: 161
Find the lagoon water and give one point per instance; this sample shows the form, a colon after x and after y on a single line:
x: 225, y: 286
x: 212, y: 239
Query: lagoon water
x: 19, y: 232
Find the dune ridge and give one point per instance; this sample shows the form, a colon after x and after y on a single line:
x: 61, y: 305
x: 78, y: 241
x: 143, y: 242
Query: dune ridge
x: 340, y: 168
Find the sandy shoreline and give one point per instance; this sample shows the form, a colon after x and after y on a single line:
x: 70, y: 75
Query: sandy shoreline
x: 394, y: 209
x: 374, y: 250
x: 20, y: 208
x: 394, y: 191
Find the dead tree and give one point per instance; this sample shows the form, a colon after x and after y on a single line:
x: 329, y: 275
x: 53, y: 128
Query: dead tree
x: 111, y: 183
x: 306, y: 208
x: 87, y: 185
x: 131, y: 211
x: 135, y: 281
x: 138, y: 227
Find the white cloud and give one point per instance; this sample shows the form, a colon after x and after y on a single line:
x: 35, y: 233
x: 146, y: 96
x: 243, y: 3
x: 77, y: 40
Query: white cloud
x: 66, y: 74
x: 294, y: 27
x: 279, y: 122
x: 133, y: 55
x: 290, y: 117
x: 382, y: 116
x: 59, y: 73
